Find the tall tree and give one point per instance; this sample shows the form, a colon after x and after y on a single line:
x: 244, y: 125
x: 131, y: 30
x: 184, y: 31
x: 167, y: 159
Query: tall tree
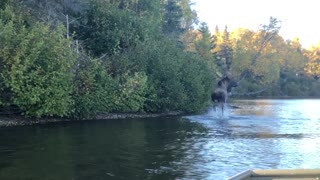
x: 264, y: 36
x: 205, y: 42
x: 189, y: 16
x: 256, y: 62
x: 292, y: 57
x: 224, y: 54
x: 313, y: 65
x: 106, y: 30
x: 172, y: 18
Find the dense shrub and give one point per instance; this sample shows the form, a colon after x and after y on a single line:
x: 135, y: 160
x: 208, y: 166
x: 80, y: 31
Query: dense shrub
x: 93, y: 88
x: 177, y: 80
x: 36, y: 66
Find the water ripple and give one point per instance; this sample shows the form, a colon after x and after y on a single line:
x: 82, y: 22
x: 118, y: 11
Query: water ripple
x: 261, y: 134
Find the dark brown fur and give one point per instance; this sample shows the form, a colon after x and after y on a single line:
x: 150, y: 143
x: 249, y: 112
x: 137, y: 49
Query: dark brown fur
x: 220, y: 95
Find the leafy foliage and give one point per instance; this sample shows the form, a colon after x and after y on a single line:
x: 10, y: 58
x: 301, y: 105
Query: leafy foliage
x: 36, y: 65
x: 93, y: 88
x: 172, y: 18
x: 313, y: 65
x: 80, y: 58
x: 205, y: 43
x: 130, y: 94
x: 174, y: 76
x: 114, y: 30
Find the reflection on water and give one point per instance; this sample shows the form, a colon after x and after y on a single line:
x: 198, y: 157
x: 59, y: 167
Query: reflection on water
x: 261, y: 134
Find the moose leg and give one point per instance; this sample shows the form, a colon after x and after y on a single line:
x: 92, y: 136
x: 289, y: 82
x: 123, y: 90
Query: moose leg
x: 214, y: 105
x: 222, y: 108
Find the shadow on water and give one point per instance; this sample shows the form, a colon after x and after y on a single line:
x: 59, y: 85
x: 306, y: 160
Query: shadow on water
x: 115, y: 149
x: 262, y: 134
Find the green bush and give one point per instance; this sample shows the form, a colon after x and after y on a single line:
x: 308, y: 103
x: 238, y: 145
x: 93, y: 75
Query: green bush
x: 108, y: 30
x: 94, y: 89
x: 177, y: 80
x: 198, y: 80
x: 123, y: 63
x: 36, y: 66
x: 131, y: 91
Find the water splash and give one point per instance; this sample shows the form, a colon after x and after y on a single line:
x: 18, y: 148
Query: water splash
x: 212, y: 115
x: 217, y: 113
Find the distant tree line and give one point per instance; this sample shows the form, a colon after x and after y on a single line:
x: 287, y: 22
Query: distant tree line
x: 75, y: 59
x: 263, y: 62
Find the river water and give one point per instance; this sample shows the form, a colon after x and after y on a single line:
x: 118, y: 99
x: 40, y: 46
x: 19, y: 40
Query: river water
x: 261, y: 134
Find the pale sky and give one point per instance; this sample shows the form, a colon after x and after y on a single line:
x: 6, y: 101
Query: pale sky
x: 300, y: 18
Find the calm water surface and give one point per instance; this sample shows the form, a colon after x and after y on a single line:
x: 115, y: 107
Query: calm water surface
x: 262, y: 134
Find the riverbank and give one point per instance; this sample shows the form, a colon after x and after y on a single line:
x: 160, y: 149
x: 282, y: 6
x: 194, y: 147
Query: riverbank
x: 17, y: 120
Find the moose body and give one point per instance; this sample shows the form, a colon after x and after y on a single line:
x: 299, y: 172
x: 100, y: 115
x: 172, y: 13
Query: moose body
x: 220, y: 95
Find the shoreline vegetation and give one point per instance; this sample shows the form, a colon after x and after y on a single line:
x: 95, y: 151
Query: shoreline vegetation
x: 75, y: 59
x: 18, y: 120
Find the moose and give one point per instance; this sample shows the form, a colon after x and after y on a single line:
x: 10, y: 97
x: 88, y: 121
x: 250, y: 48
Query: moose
x: 221, y: 93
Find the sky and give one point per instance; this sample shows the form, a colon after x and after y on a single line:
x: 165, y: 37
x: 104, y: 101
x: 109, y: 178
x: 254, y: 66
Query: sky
x: 300, y: 18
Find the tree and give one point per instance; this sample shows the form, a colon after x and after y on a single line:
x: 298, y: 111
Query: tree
x: 205, y: 42
x: 224, y: 52
x: 313, y: 65
x: 263, y: 38
x: 106, y: 30
x: 256, y: 57
x: 172, y: 19
x: 189, y: 16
